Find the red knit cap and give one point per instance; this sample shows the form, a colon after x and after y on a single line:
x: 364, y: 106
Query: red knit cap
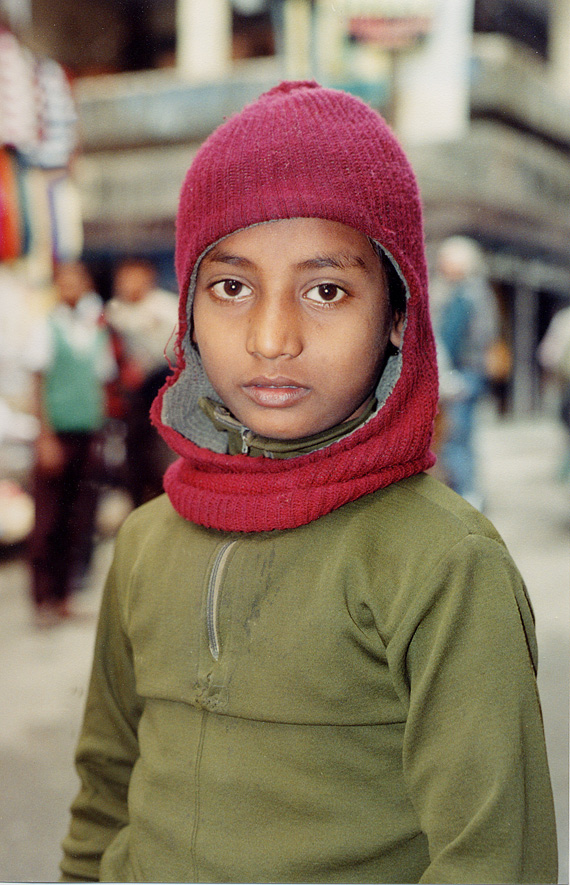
x: 300, y: 151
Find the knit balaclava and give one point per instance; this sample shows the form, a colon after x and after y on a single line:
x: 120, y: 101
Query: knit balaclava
x: 300, y: 151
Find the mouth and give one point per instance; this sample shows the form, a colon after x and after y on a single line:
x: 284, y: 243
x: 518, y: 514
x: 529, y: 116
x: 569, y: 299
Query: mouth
x: 275, y: 393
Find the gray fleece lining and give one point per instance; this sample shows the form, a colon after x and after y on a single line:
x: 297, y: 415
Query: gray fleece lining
x: 181, y: 410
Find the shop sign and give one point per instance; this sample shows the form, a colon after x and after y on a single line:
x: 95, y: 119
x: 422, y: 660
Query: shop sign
x: 386, y: 24
x: 389, y: 33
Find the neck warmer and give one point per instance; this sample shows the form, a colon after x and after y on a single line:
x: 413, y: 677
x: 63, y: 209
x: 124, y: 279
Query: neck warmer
x: 300, y: 151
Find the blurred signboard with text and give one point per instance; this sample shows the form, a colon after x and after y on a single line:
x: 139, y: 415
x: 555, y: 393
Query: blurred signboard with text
x: 388, y: 24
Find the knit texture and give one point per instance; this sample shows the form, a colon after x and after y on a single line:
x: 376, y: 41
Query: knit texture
x: 300, y: 151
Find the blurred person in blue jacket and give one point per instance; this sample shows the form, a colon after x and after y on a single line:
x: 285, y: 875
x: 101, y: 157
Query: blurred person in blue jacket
x: 466, y: 327
x: 554, y: 357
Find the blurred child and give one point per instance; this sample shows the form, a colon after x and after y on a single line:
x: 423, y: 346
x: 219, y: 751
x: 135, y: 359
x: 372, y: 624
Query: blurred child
x: 71, y: 359
x: 315, y: 663
x: 142, y: 319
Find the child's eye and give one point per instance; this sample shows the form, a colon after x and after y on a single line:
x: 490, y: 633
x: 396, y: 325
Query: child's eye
x: 229, y: 289
x: 326, y: 293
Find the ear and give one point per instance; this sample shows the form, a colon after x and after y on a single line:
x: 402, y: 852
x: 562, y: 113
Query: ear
x: 397, y: 330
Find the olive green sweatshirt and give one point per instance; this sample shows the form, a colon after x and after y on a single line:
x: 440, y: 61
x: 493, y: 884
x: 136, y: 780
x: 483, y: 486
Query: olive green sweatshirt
x: 353, y: 700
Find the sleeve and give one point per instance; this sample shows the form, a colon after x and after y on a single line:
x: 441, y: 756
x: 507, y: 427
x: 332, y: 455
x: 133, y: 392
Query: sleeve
x: 37, y: 355
x: 106, y: 368
x: 474, y: 751
x: 108, y: 748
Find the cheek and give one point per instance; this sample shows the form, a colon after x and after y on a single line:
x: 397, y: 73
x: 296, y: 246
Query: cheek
x: 218, y: 345
x: 205, y: 332
x: 359, y: 348
x: 202, y: 339
x: 216, y: 360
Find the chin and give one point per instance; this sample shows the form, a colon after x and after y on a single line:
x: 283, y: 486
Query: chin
x: 278, y: 433
x: 278, y: 430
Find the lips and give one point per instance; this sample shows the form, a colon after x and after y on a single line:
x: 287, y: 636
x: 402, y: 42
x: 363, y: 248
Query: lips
x: 275, y: 393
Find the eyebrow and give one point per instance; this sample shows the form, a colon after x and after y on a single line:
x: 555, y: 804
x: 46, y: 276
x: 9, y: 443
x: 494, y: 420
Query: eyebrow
x: 216, y: 256
x: 341, y: 260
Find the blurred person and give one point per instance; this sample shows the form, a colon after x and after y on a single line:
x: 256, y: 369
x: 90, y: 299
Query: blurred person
x: 142, y: 319
x: 466, y: 323
x: 554, y: 356
x: 71, y: 357
x: 451, y: 388
x: 314, y: 662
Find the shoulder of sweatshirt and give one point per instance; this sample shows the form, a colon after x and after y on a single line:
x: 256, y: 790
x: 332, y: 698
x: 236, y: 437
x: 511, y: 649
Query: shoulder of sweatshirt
x: 416, y: 513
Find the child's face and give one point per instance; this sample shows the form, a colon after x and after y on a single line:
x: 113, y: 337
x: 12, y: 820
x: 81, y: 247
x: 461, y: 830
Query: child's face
x: 292, y: 320
x: 133, y: 282
x: 72, y: 283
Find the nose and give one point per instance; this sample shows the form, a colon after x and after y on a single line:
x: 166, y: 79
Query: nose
x: 274, y: 330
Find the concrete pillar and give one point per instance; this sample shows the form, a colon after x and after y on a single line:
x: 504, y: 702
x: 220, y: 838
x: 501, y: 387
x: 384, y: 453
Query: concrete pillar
x: 204, y: 39
x: 431, y: 82
x: 18, y: 12
x: 525, y: 325
x: 298, y: 39
x: 329, y: 35
x: 559, y: 46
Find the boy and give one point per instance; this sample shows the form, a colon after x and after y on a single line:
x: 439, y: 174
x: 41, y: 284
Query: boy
x: 141, y: 318
x: 315, y: 663
x: 71, y: 359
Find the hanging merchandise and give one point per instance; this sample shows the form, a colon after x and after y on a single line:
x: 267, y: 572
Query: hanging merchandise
x: 37, y: 213
x: 56, y: 117
x: 66, y: 220
x: 18, y: 115
x: 10, y: 227
x: 21, y: 173
x: 39, y: 205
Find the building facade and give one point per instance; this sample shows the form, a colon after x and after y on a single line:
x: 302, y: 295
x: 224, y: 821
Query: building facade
x: 489, y: 135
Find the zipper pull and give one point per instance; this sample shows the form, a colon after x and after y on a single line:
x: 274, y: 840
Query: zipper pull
x: 245, y: 443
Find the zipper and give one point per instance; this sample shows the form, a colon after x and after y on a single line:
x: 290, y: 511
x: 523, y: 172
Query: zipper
x: 246, y: 440
x: 223, y: 420
x: 214, y: 586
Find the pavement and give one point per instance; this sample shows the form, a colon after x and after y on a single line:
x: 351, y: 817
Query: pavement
x: 43, y: 673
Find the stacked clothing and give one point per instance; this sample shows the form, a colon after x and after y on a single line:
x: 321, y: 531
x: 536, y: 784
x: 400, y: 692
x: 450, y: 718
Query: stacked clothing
x: 38, y: 135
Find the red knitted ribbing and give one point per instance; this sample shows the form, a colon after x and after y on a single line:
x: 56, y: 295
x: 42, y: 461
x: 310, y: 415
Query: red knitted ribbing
x: 231, y: 503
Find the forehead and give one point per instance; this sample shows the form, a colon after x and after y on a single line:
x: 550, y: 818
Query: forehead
x: 134, y: 271
x: 70, y: 273
x: 296, y: 239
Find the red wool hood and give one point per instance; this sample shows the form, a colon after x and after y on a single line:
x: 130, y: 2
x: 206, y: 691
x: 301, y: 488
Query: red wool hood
x: 300, y: 151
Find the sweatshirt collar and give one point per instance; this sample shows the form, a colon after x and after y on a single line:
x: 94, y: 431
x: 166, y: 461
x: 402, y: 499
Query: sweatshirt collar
x: 242, y: 441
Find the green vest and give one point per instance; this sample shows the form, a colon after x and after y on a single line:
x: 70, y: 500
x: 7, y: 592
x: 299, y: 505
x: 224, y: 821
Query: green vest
x: 73, y: 391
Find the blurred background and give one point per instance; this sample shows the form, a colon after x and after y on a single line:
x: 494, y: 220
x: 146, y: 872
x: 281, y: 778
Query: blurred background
x: 102, y: 106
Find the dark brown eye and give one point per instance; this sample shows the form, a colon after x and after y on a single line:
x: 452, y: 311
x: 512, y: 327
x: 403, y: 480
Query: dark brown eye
x: 326, y: 293
x: 230, y: 289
